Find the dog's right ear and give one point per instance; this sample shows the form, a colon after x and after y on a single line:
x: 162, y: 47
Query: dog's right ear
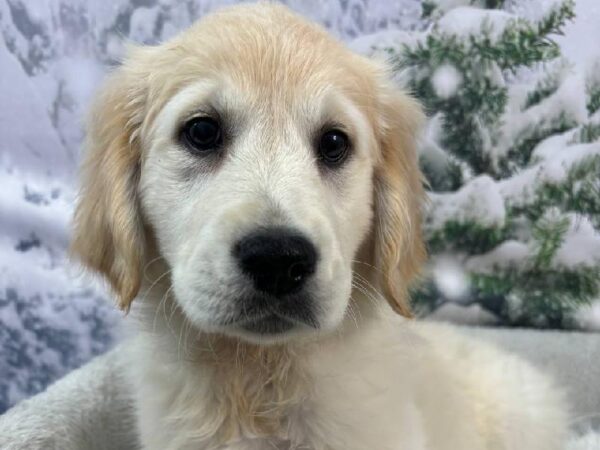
x: 108, y: 235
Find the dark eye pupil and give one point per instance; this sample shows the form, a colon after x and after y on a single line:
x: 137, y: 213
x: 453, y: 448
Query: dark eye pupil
x: 202, y: 134
x: 333, y: 146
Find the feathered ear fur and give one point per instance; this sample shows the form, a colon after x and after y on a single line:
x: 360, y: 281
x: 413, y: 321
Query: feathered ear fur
x: 108, y: 234
x: 399, y: 248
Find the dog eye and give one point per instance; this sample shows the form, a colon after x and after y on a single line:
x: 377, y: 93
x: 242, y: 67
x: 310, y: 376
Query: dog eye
x: 333, y: 147
x: 202, y: 134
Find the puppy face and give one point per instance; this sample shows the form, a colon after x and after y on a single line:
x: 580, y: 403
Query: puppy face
x: 257, y: 151
x: 259, y: 200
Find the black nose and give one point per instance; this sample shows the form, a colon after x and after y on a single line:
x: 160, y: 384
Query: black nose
x: 279, y: 261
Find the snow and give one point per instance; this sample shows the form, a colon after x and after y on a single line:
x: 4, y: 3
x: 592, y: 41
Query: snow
x: 534, y: 10
x: 376, y: 44
x: 581, y: 245
x: 53, y: 319
x: 430, y: 150
x: 508, y: 254
x: 479, y: 201
x: 28, y: 205
x: 29, y: 141
x: 446, y: 81
x: 556, y: 167
x: 143, y: 23
x: 589, y: 319
x: 555, y: 160
x: 592, y: 78
x: 36, y: 11
x: 467, y: 21
x: 581, y: 36
x: 445, y: 5
x: 450, y: 278
x: 569, y: 101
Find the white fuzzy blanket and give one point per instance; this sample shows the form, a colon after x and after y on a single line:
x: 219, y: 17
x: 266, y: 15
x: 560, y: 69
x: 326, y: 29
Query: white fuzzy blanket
x: 90, y: 409
x: 589, y: 441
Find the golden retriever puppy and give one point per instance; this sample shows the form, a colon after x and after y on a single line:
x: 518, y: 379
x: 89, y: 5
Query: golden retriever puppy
x: 253, y: 186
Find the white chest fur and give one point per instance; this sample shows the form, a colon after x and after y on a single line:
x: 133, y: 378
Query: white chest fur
x: 381, y: 387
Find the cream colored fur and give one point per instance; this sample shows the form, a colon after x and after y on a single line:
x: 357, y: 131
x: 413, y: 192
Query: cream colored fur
x: 159, y: 222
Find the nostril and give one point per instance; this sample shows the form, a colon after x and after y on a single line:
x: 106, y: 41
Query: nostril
x: 277, y: 260
x: 297, y: 271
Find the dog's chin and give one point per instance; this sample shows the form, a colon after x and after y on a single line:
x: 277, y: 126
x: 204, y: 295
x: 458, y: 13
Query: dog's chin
x: 264, y: 320
x: 270, y: 325
x: 269, y: 329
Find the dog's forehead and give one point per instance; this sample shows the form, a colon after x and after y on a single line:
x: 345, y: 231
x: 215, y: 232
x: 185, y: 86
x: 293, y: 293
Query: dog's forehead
x: 268, y: 50
x: 268, y: 57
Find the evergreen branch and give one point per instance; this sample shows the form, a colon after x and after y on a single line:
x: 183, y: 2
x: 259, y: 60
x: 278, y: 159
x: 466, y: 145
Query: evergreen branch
x: 555, y: 20
x: 531, y: 296
x: 519, y: 45
x: 545, y: 87
x: 480, y: 100
x: 593, y: 103
x: 535, y: 291
x: 427, y: 8
x: 542, y: 91
x: 494, y: 4
x: 449, y: 179
x: 592, y: 87
x: 476, y: 105
x: 467, y: 236
x: 578, y: 193
x: 548, y: 232
x: 588, y: 133
x: 526, y: 295
x: 425, y: 297
x: 522, y: 43
x: 519, y: 155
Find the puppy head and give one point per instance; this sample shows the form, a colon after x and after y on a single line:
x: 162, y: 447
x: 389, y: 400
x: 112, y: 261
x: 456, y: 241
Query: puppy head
x: 259, y: 154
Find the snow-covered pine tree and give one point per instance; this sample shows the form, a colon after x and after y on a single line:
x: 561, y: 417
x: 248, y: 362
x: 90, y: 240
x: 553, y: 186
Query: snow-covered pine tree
x: 512, y: 158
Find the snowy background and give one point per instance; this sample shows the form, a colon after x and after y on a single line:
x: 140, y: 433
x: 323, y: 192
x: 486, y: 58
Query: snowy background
x: 52, y: 56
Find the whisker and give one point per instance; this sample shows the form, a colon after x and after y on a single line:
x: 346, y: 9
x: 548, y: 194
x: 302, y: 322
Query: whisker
x: 148, y: 264
x: 375, y: 301
x: 161, y: 303
x: 351, y: 312
x: 365, y: 291
x: 182, y: 347
x: 366, y: 282
x: 147, y: 292
x: 186, y: 343
x: 358, y: 261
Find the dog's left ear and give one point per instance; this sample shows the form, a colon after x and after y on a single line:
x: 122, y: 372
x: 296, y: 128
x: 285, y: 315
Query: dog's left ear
x: 399, y: 248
